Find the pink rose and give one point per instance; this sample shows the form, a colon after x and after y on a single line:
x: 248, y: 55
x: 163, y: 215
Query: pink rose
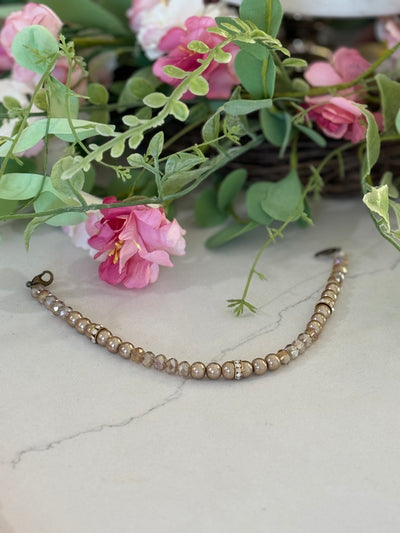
x: 133, y: 241
x: 135, y: 13
x: 221, y: 76
x: 392, y: 35
x: 30, y: 15
x: 338, y: 116
x: 6, y: 62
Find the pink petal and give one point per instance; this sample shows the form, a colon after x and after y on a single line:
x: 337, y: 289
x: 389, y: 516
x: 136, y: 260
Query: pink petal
x: 349, y: 63
x: 321, y: 73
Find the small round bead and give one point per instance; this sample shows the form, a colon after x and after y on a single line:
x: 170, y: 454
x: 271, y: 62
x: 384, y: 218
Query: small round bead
x: 148, y: 359
x: 329, y: 294
x: 81, y: 324
x: 56, y: 307
x: 43, y: 295
x: 172, y: 366
x: 137, y: 354
x: 247, y: 369
x: 103, y: 336
x: 214, y: 371
x: 259, y: 366
x: 319, y: 318
x: 340, y: 268
x: 324, y: 309
x: 65, y: 311
x: 184, y: 369
x: 284, y: 357
x: 228, y: 370
x: 49, y: 300
x: 198, y: 370
x: 305, y: 339
x: 312, y: 333
x: 125, y: 350
x: 73, y: 317
x: 36, y: 290
x: 334, y: 288
x: 273, y: 361
x: 160, y: 362
x: 313, y: 324
x: 113, y: 343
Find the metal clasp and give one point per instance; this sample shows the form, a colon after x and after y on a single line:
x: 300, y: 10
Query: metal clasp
x: 328, y: 251
x: 45, y: 278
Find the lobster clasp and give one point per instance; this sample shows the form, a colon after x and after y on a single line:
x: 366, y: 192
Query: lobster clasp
x: 45, y: 279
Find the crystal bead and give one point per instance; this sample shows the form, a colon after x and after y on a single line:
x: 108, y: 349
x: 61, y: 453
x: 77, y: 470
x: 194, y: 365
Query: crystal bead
x: 324, y: 309
x: 184, y: 369
x: 316, y: 326
x: 65, y: 311
x: 172, y: 366
x: 329, y: 294
x: 49, y: 300
x: 297, y: 343
x: 293, y: 351
x: 138, y: 354
x: 329, y: 302
x: 148, y: 359
x: 319, y: 318
x: 43, y: 295
x: 305, y: 339
x: 334, y: 287
x: 56, y: 307
x: 36, y: 290
x: 73, y: 317
x: 238, y: 369
x: 160, y: 362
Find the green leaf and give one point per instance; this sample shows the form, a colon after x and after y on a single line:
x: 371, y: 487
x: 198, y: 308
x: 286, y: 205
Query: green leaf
x: 7, y: 207
x: 30, y: 228
x: 244, y: 107
x: 221, y: 56
x: 179, y: 110
x: 377, y: 201
x: 175, y: 72
x: 199, y: 86
x: 48, y: 201
x: 11, y: 103
x: 62, y: 186
x: 57, y: 94
x: 397, y: 121
x: 118, y: 148
x: 257, y: 76
x: 20, y: 186
x: 211, y: 128
x: 294, y: 62
x: 387, y: 179
x: 276, y: 126
x: 283, y: 199
x: 229, y: 233
x: 173, y: 183
x: 35, y: 48
x: 199, y: 47
x: 155, y: 100
x: 372, y: 142
x: 97, y: 94
x: 390, y: 99
x: 182, y: 161
x: 255, y: 194
x: 206, y: 209
x: 313, y: 135
x: 156, y: 145
x: 90, y: 14
x: 142, y: 83
x: 266, y: 14
x: 230, y: 187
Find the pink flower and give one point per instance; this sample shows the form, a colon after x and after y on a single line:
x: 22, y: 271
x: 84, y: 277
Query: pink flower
x: 221, y: 76
x: 80, y: 233
x: 391, y: 34
x: 338, y: 116
x: 133, y: 241
x: 31, y: 14
x: 137, y: 10
x: 5, y: 61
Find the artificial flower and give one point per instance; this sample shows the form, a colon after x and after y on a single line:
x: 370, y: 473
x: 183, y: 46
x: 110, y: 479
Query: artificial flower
x: 391, y: 34
x: 132, y: 242
x: 338, y: 116
x: 21, y: 92
x: 220, y: 76
x: 151, y: 19
x: 31, y: 14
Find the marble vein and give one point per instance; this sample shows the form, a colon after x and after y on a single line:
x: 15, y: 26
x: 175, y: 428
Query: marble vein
x: 19, y: 456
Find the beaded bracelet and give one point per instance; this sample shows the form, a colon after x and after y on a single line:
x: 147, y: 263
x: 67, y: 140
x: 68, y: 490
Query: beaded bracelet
x: 237, y: 369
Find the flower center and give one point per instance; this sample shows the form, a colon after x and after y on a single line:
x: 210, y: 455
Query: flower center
x: 115, y: 251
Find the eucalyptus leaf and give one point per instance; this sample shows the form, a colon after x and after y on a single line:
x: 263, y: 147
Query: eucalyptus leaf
x: 274, y: 125
x: 20, y: 186
x: 244, y: 107
x: 35, y: 48
x: 206, y: 209
x: 283, y: 199
x: 266, y: 14
x: 372, y: 142
x: 377, y: 201
x: 97, y: 94
x: 257, y: 76
x: 230, y: 188
x: 57, y: 95
x: 254, y: 196
x: 390, y: 98
x: 229, y: 233
x: 313, y: 135
x: 63, y: 186
x: 48, y: 201
x: 30, y: 228
x: 294, y: 62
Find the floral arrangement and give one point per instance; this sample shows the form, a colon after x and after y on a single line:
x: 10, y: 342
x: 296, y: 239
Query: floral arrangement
x: 91, y: 95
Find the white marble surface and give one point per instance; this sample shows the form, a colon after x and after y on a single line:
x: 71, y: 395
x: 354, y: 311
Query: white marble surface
x: 91, y: 443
